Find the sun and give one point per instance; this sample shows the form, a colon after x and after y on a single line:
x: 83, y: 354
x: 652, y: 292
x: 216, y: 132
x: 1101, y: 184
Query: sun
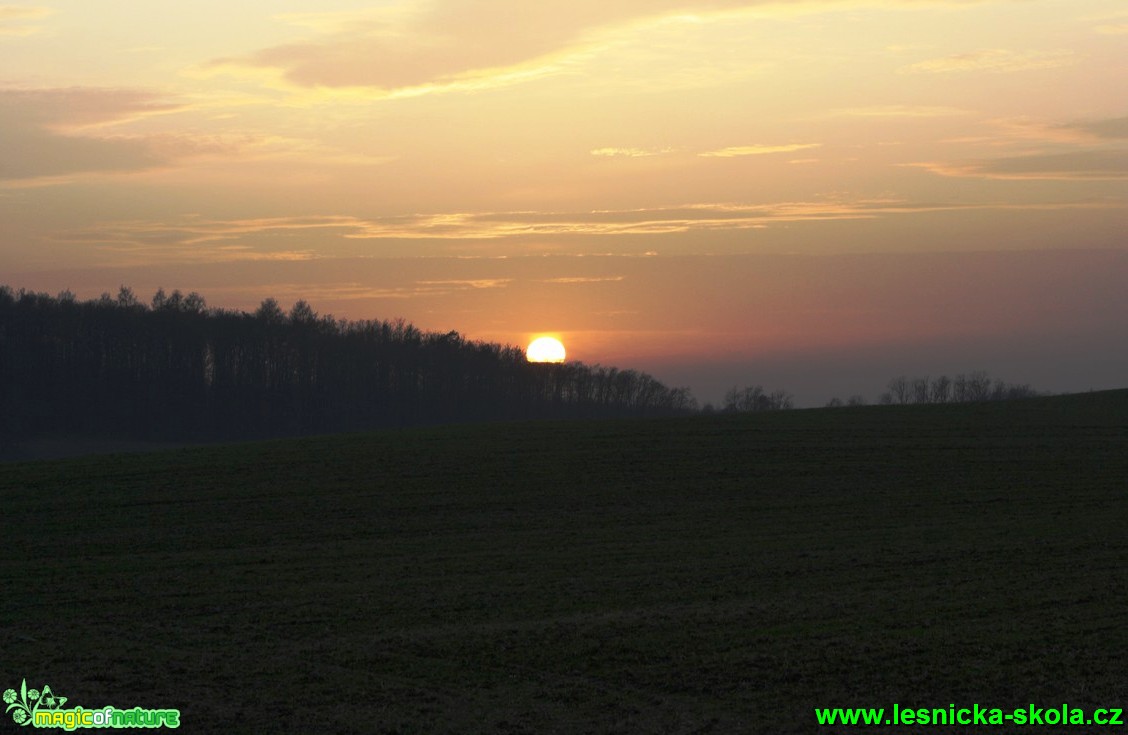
x: 545, y: 349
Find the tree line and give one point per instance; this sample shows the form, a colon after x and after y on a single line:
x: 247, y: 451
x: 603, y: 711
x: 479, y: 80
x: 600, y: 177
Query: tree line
x: 902, y: 390
x: 964, y: 388
x: 173, y: 369
x: 754, y: 398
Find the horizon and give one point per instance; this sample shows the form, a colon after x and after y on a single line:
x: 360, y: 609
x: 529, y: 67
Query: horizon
x: 846, y: 392
x: 815, y: 197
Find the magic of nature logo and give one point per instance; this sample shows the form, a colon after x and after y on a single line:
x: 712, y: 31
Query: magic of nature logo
x: 43, y: 708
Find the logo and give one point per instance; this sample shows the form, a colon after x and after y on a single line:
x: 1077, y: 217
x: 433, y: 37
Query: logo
x: 44, y: 709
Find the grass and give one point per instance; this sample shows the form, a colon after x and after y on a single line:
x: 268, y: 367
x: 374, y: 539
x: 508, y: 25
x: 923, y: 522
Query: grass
x: 711, y: 574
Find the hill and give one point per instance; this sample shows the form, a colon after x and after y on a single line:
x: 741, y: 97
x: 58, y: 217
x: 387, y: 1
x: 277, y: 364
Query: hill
x: 724, y: 573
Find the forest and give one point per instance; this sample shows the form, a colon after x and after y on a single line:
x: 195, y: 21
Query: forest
x: 175, y: 370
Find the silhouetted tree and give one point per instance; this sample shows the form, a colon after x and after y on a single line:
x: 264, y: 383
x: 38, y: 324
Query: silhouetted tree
x: 174, y: 369
x: 900, y: 390
x: 965, y: 388
x: 920, y: 390
x: 753, y: 398
x: 941, y: 390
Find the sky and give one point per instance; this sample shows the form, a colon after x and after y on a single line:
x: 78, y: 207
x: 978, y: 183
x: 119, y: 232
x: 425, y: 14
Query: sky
x: 814, y: 195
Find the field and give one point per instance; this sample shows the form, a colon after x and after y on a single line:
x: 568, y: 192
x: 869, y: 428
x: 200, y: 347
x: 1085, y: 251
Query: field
x: 714, y: 574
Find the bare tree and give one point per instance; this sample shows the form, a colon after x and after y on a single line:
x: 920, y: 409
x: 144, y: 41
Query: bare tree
x: 753, y: 398
x: 941, y: 390
x: 900, y: 390
x: 978, y: 386
x: 966, y: 388
x: 921, y: 392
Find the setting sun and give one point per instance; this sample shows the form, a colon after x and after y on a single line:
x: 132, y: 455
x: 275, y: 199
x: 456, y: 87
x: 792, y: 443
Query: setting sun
x: 545, y: 349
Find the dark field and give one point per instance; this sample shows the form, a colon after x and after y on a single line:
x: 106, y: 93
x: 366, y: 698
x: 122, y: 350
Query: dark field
x: 721, y: 574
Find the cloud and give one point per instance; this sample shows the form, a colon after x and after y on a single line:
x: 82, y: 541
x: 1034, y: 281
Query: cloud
x: 585, y: 279
x: 352, y: 290
x: 340, y: 21
x: 452, y: 44
x: 588, y: 245
x: 1114, y: 24
x: 13, y: 19
x: 1115, y: 128
x: 731, y: 152
x: 50, y: 134
x: 476, y: 283
x: 895, y: 111
x: 630, y: 152
x: 757, y: 150
x: 1022, y: 130
x: 196, y: 238
x: 21, y: 12
x: 1113, y: 29
x: 190, y: 231
x: 75, y: 108
x: 992, y: 60
x: 1073, y: 166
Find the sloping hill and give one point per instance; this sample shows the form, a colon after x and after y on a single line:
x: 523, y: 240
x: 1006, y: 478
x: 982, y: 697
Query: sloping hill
x: 713, y: 574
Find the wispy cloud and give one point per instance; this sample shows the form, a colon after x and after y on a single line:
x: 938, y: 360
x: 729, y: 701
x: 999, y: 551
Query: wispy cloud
x: 133, y: 253
x: 75, y: 108
x: 58, y: 136
x: 1113, y: 29
x: 22, y: 12
x: 402, y: 54
x: 44, y: 140
x: 475, y: 283
x: 1113, y: 24
x: 194, y: 231
x: 342, y: 21
x: 895, y: 111
x: 1071, y: 166
x: 289, y: 292
x: 729, y: 152
x: 630, y: 152
x: 585, y: 279
x: 1115, y: 128
x: 448, y: 45
x: 757, y: 150
x: 195, y: 238
x: 993, y: 60
x: 1024, y: 130
x: 14, y: 19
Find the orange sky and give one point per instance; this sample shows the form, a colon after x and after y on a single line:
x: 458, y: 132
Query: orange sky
x: 811, y: 195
